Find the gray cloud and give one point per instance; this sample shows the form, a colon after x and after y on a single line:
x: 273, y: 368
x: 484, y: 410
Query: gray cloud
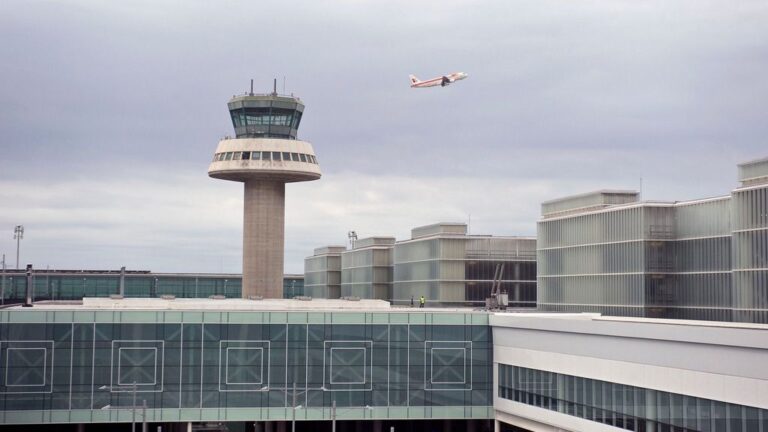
x: 108, y: 110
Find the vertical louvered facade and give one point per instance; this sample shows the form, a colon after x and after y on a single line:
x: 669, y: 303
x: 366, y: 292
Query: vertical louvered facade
x: 706, y: 259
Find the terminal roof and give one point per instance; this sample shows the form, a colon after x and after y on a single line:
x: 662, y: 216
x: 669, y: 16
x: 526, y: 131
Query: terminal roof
x: 325, y: 305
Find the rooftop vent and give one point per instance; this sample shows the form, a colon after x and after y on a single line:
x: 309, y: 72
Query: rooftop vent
x: 116, y: 296
x: 303, y: 298
x: 217, y: 297
x: 255, y: 297
x: 351, y: 298
x: 753, y: 172
x: 587, y: 202
x: 459, y: 228
x: 168, y: 297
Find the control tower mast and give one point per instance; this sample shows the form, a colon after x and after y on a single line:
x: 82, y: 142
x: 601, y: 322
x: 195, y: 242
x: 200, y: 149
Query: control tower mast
x: 265, y: 155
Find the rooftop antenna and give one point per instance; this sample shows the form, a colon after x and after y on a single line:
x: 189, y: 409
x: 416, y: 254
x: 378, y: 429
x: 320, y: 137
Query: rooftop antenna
x: 251, y: 93
x: 274, y: 87
x: 469, y: 224
x: 283, y: 84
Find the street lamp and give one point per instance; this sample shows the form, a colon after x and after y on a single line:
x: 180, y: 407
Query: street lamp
x: 294, y: 407
x: 18, y: 234
x: 133, y: 408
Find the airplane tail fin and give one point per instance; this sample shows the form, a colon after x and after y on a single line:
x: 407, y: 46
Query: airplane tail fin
x: 413, y: 78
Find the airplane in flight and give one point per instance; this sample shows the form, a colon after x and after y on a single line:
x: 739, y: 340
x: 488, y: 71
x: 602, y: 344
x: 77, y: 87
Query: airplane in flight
x: 439, y: 81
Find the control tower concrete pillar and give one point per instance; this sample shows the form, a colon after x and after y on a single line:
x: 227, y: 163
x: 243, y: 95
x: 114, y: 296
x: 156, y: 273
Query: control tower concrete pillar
x: 265, y: 155
x: 263, y: 236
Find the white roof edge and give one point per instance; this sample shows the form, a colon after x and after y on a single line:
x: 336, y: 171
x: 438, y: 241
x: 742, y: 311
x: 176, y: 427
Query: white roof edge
x: 610, y: 207
x: 594, y: 192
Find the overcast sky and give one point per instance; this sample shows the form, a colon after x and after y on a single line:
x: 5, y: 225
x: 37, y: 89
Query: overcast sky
x: 110, y: 113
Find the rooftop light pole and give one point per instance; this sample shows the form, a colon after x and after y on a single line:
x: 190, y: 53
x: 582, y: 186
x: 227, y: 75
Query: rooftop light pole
x: 2, y: 287
x: 294, y: 407
x: 333, y: 414
x: 18, y: 234
x: 133, y: 408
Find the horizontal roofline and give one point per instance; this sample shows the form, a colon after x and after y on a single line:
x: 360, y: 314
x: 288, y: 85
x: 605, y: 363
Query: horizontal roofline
x: 601, y: 191
x: 754, y: 161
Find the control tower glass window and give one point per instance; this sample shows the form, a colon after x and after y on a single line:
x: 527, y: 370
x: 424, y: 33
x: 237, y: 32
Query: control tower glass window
x: 266, y: 122
x: 265, y: 116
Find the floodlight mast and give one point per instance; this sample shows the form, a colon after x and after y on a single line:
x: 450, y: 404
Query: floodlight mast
x: 264, y: 155
x: 18, y: 234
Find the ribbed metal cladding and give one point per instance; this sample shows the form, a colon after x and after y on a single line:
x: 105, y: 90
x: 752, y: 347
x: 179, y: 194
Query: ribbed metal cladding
x: 704, y: 259
x: 263, y: 238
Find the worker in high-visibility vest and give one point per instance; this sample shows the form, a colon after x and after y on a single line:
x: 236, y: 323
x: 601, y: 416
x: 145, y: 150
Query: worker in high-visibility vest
x: 422, y: 300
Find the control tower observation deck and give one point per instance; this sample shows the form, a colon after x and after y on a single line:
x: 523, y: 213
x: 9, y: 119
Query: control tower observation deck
x: 265, y: 155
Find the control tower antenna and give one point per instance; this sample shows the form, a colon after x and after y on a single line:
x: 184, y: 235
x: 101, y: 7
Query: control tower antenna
x: 264, y: 155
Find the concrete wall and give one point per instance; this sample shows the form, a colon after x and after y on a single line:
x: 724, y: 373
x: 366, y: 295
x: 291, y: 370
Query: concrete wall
x: 718, y: 361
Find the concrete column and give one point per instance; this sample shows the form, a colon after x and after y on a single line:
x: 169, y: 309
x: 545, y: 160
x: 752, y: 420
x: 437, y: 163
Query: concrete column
x: 377, y: 426
x: 81, y: 427
x: 281, y: 426
x: 263, y: 238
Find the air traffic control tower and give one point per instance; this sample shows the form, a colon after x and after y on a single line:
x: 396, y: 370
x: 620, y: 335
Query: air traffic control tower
x: 265, y: 155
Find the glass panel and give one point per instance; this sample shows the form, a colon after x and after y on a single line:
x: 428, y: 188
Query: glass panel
x: 627, y: 407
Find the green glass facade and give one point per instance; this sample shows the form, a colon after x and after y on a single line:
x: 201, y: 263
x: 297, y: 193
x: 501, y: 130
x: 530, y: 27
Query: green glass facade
x: 624, y: 406
x: 76, y: 285
x: 65, y: 366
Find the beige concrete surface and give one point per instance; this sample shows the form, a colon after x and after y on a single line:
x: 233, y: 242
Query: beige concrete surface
x: 263, y: 238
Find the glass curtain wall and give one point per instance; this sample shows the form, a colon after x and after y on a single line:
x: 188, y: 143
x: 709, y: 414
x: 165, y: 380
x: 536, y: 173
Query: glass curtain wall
x: 453, y: 270
x: 367, y: 273
x: 650, y: 259
x: 75, y: 286
x: 750, y: 254
x: 322, y: 273
x: 626, y: 407
x: 237, y: 366
x: 594, y: 262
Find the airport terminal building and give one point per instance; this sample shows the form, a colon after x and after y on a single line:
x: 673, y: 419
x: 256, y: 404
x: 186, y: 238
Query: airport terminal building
x: 705, y: 259
x: 76, y: 284
x: 441, y: 262
x: 237, y: 364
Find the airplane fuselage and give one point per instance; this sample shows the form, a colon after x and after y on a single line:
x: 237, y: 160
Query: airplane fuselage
x: 441, y: 81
